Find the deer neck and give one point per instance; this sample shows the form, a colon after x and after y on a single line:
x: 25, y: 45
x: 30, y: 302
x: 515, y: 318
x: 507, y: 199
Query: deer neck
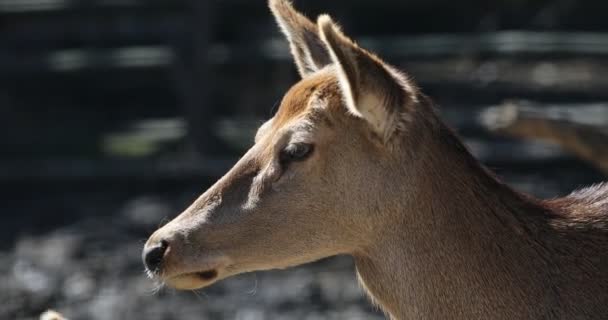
x: 461, y: 250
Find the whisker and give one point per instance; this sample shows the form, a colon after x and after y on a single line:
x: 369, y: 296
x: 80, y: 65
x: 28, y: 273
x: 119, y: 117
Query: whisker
x: 201, y: 295
x: 254, y: 290
x: 158, y: 285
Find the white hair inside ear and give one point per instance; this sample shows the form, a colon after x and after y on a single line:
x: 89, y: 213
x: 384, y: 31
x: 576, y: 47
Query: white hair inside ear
x: 372, y: 89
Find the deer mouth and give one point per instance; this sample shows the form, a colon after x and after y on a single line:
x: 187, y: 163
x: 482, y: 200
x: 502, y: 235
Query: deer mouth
x: 193, y: 280
x: 197, y: 279
x: 207, y: 275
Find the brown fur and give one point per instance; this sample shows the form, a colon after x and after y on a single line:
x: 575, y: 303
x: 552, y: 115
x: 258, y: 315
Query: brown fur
x: 434, y: 235
x: 296, y: 100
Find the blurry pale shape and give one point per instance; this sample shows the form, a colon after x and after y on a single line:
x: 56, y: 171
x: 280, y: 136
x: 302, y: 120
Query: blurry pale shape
x: 592, y: 114
x: 513, y: 41
x: 498, y: 117
x: 31, y: 5
x: 517, y: 41
x: 51, y: 253
x: 529, y: 150
x: 171, y: 127
x: 109, y: 298
x: 338, y: 287
x: 128, y: 57
x: 146, y: 211
x: 40, y: 5
x: 78, y: 286
x: 487, y: 73
x: 68, y: 60
x: 144, y: 137
x: 237, y: 132
x: 353, y: 314
x: 51, y: 315
x: 250, y: 314
x: 545, y: 74
x: 142, y: 56
x: 276, y: 48
x: 504, y: 42
x: 30, y: 277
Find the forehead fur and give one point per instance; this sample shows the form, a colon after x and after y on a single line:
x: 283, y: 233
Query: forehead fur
x: 296, y: 102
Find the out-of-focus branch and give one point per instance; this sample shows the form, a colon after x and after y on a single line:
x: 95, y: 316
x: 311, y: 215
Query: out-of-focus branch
x: 582, y: 130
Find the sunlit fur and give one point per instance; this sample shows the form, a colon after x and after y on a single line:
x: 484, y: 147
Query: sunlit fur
x: 434, y: 235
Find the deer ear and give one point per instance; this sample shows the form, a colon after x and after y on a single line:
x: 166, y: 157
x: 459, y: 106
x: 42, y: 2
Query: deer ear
x: 372, y: 90
x: 309, y: 52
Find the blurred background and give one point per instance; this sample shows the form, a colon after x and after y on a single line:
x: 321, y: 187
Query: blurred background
x: 116, y: 114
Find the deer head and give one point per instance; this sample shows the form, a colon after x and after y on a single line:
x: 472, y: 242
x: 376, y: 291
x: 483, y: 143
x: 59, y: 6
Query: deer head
x: 312, y: 184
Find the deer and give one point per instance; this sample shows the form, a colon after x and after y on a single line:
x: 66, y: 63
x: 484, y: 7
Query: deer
x: 356, y: 161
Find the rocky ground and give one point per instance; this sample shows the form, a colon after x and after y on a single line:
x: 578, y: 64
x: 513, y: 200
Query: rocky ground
x: 88, y: 267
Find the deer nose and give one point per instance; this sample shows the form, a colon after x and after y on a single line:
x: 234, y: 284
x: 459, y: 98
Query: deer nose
x: 153, y: 255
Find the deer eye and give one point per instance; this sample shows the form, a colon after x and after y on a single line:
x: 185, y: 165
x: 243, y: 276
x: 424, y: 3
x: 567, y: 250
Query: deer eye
x: 295, y: 152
